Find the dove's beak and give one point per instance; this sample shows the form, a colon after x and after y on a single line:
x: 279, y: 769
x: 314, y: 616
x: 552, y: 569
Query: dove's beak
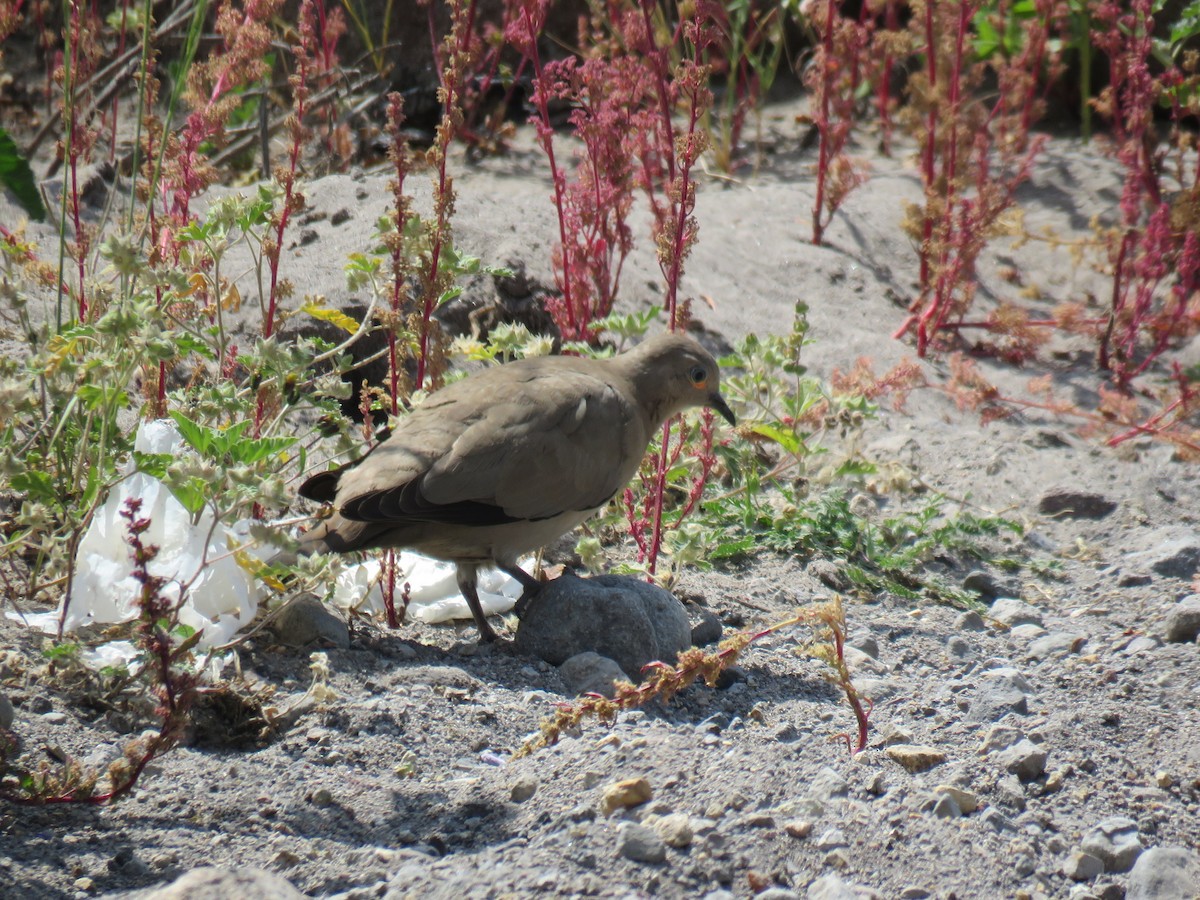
x: 717, y: 402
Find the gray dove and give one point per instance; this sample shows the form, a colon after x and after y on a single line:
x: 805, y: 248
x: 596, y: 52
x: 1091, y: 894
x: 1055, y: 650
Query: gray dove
x: 508, y: 459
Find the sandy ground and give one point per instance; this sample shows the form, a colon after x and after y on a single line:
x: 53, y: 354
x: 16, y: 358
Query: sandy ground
x: 1053, y: 721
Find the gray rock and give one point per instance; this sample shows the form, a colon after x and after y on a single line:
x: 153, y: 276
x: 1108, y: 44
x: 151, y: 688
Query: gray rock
x: 1027, y: 632
x: 1025, y: 759
x: 831, y: 839
x: 1165, y: 873
x: 523, y: 788
x: 640, y: 843
x: 997, y: 821
x: 1174, y: 553
x: 777, y: 893
x: 959, y: 648
x: 7, y: 713
x: 623, y: 618
x: 998, y: 737
x: 970, y: 621
x: 865, y: 641
x: 946, y: 807
x: 1143, y: 643
x: 1183, y: 621
x: 1010, y: 611
x: 828, y: 783
x: 988, y: 586
x: 591, y: 673
x: 1082, y: 866
x: 1056, y: 643
x: 707, y: 630
x: 306, y: 620
x: 828, y: 573
x: 1071, y: 504
x: 830, y: 887
x: 1115, y: 843
x: 220, y: 884
x: 1001, y: 692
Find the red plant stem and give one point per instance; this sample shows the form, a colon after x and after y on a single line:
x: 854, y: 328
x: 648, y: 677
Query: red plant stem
x: 81, y: 248
x: 860, y: 714
x: 656, y: 55
x: 657, y: 491
x: 928, y: 155
x: 400, y: 161
x: 884, y: 101
x: 556, y: 176
x: 827, y: 63
x: 936, y: 311
x: 1104, y: 360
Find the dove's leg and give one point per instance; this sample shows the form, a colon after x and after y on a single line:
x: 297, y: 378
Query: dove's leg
x: 466, y: 584
x: 530, y: 586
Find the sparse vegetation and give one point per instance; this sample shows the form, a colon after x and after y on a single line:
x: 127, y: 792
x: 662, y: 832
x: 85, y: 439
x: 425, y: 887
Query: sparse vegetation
x: 127, y: 318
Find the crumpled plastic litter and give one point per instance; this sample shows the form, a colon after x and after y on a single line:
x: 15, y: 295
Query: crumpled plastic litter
x: 222, y: 597
x: 433, y: 589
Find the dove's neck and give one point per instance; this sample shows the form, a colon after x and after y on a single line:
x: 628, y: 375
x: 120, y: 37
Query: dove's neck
x: 645, y: 374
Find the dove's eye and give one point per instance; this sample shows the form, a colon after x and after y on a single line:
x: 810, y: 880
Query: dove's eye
x: 698, y: 375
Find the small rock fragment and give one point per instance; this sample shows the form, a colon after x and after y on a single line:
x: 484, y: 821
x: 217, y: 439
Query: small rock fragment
x: 916, y: 757
x: 7, y: 713
x: 322, y: 797
x: 830, y: 887
x: 624, y: 794
x: 591, y: 673
x: 523, y: 788
x: 1010, y: 611
x: 966, y: 801
x: 1174, y: 553
x: 1082, y: 866
x: 828, y: 782
x: 945, y: 807
x: 245, y: 884
x: 831, y: 839
x: 1183, y: 621
x: 707, y: 630
x: 1056, y: 643
x: 970, y: 621
x: 1115, y: 842
x: 998, y: 737
x: 675, y: 829
x: 798, y: 828
x: 1073, y: 504
x: 1025, y: 759
x: 1165, y: 873
x: 306, y: 620
x: 639, y: 843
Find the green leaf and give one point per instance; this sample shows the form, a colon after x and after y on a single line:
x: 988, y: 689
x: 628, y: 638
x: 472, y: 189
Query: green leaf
x: 38, y: 485
x: 191, y: 494
x: 16, y: 175
x: 196, y: 435
x: 152, y: 464
x: 248, y: 452
x: 785, y: 439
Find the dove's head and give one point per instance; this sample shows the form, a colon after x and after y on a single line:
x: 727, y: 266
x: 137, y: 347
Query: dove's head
x: 674, y: 373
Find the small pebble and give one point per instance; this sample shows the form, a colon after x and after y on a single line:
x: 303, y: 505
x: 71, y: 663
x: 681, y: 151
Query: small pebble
x: 639, y: 843
x: 624, y: 794
x: 523, y: 788
x: 916, y: 757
